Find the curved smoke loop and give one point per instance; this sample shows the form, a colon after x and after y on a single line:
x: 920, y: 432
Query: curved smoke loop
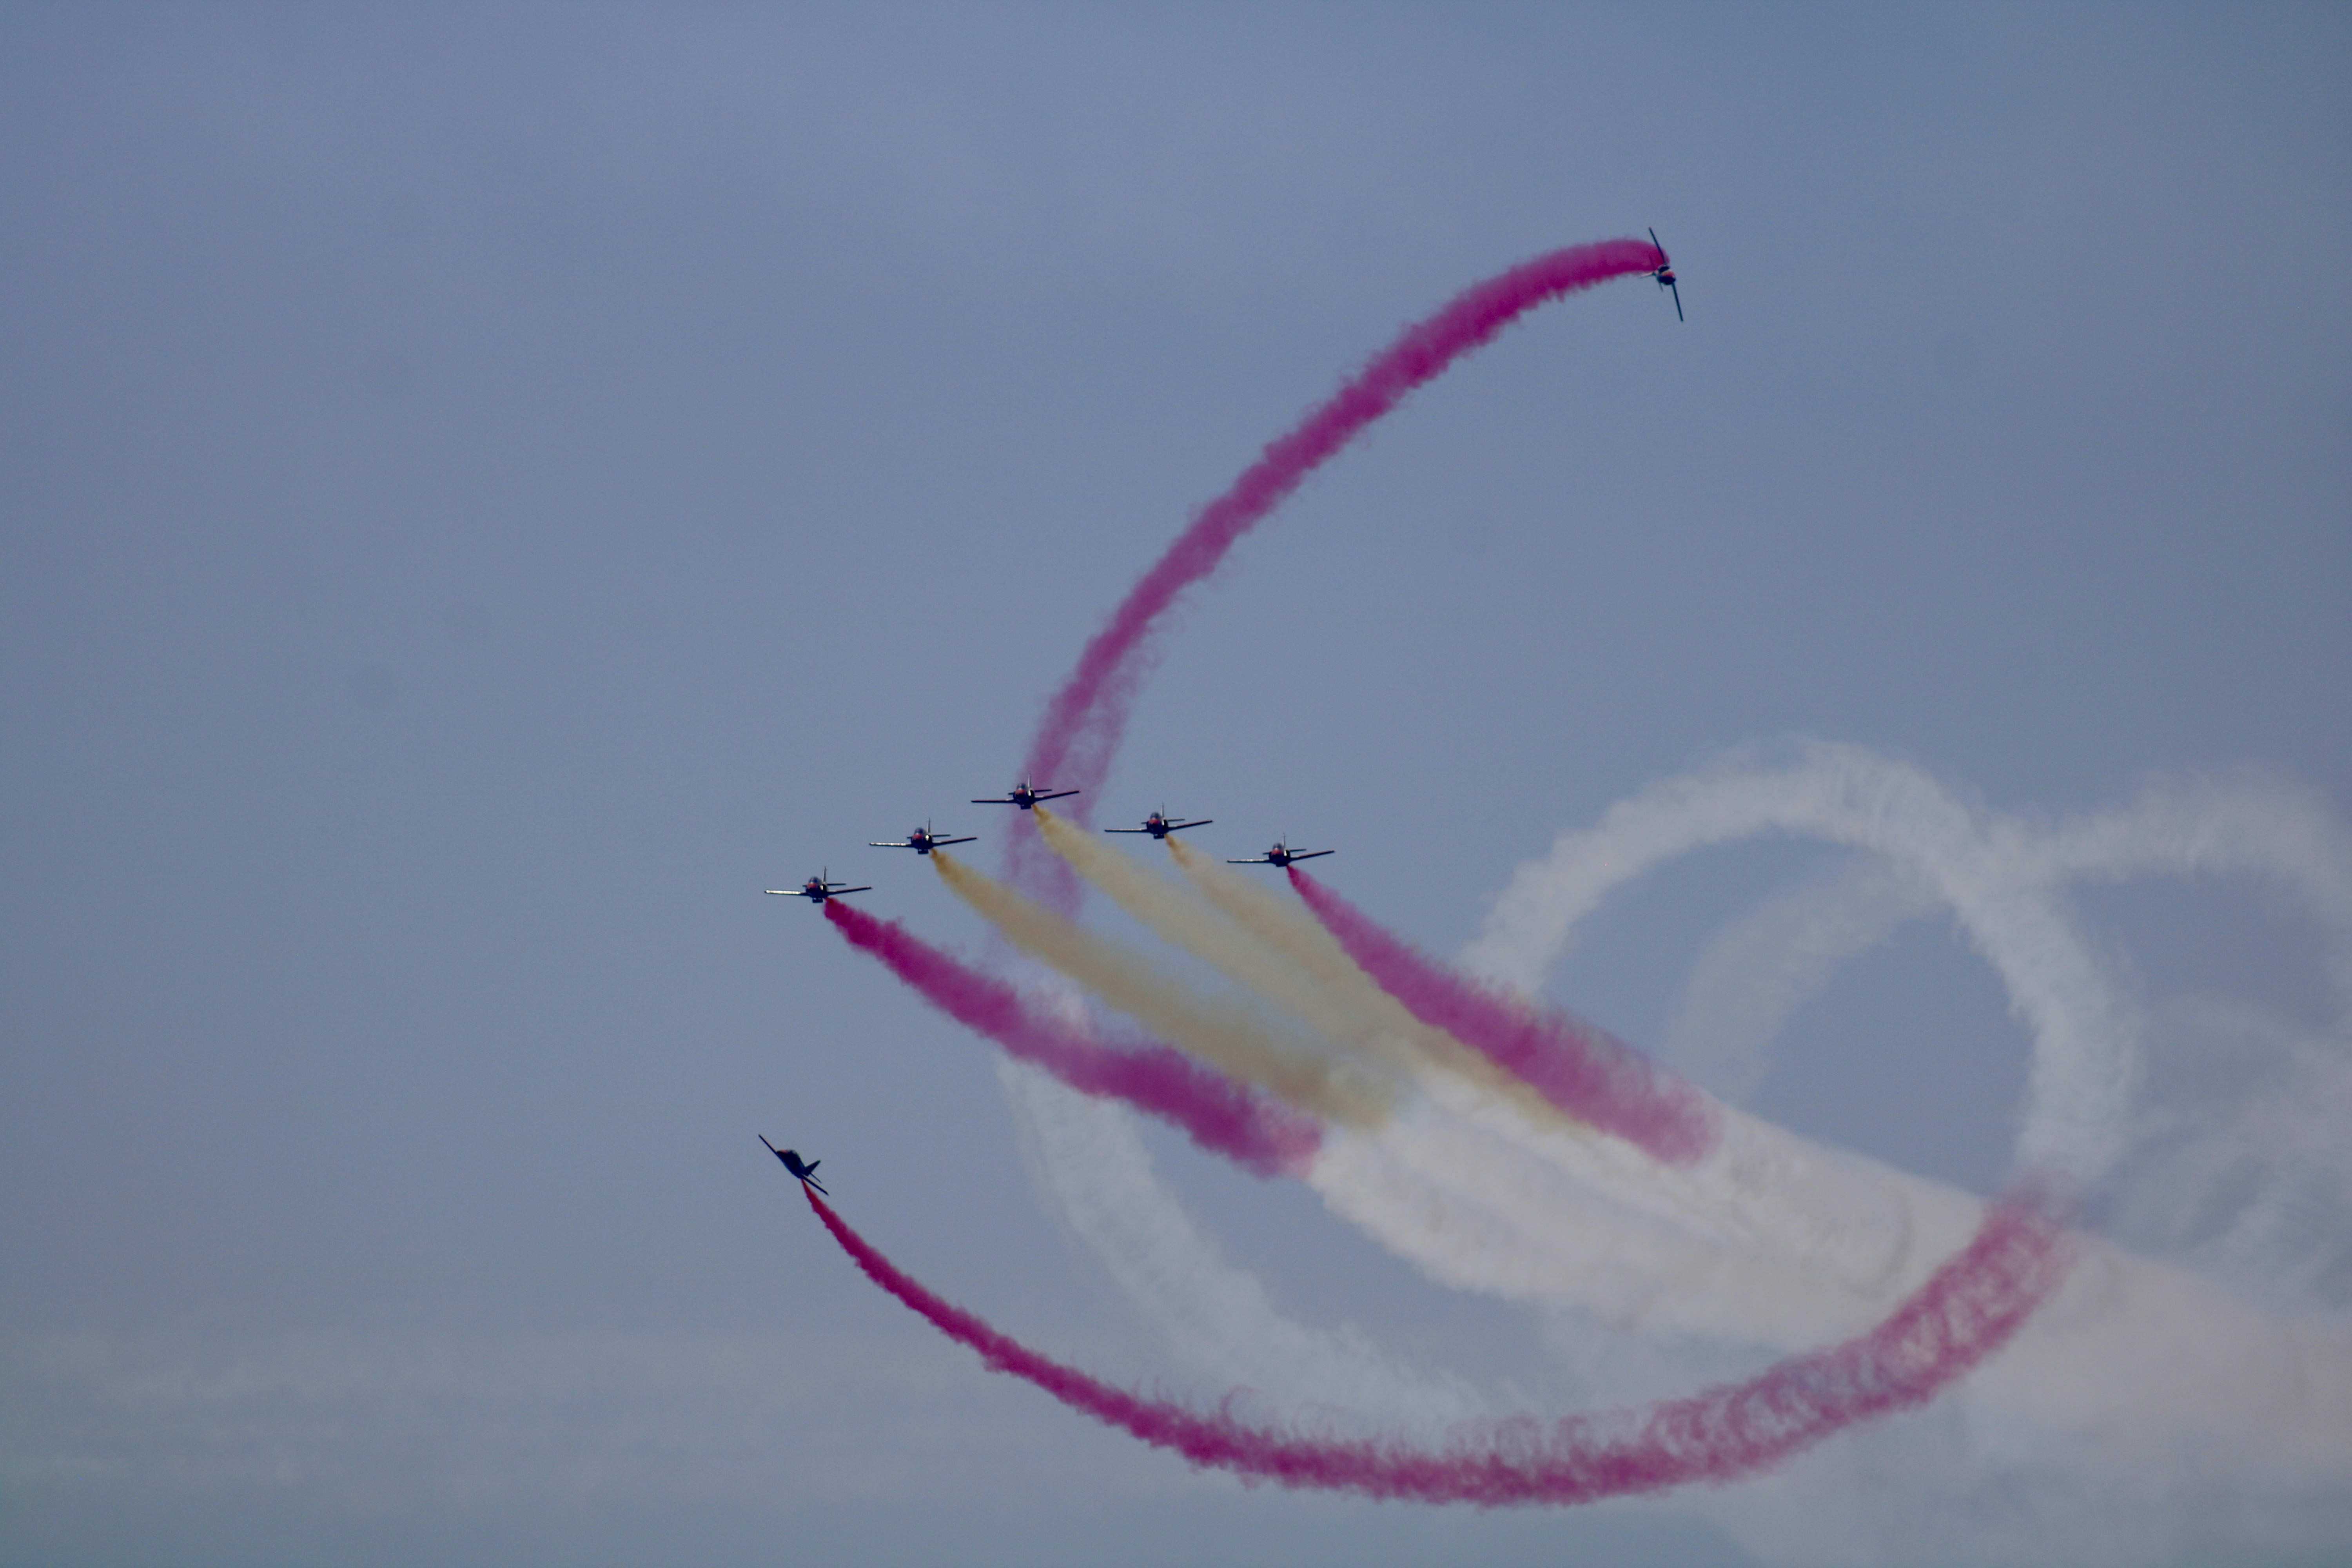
x: 1767, y: 1240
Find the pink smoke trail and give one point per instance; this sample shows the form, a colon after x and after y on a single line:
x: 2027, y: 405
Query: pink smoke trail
x: 1218, y: 1114
x: 1583, y: 1070
x: 1084, y: 719
x: 1964, y: 1312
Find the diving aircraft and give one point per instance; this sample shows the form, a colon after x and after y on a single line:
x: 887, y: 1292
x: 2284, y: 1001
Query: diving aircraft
x: 921, y: 841
x: 1665, y: 273
x: 817, y: 888
x: 1027, y: 798
x: 1158, y: 827
x: 792, y: 1162
x: 1281, y: 855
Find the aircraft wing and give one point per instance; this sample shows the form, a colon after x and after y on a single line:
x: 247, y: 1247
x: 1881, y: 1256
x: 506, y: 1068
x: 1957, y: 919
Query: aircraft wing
x: 1128, y: 830
x: 967, y: 838
x: 1257, y: 860
x: 1676, y: 290
x: 1057, y: 794
x: 1310, y: 854
x: 1181, y: 826
x: 893, y: 844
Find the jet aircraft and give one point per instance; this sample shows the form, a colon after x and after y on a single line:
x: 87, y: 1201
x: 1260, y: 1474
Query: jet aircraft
x: 817, y: 888
x: 1280, y: 855
x: 1665, y: 273
x: 921, y: 841
x: 792, y: 1162
x: 1027, y: 798
x: 1158, y: 827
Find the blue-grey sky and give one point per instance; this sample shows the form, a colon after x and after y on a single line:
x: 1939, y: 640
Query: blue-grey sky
x: 489, y: 490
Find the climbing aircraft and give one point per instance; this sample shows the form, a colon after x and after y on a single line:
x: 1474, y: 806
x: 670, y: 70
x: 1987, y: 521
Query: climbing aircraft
x: 817, y: 888
x: 1665, y: 273
x: 792, y: 1162
x: 1158, y: 827
x: 921, y: 841
x: 1281, y: 855
x: 1027, y: 798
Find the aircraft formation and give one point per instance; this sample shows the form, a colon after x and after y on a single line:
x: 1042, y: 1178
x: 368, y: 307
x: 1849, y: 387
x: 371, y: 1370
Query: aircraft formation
x: 924, y: 839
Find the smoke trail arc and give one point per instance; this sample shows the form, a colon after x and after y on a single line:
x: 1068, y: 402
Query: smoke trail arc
x: 1967, y: 1310
x: 1967, y: 1307
x: 1084, y: 721
x: 2127, y: 1351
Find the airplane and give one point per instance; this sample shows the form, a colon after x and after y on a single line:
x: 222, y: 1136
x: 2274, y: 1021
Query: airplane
x: 921, y: 841
x: 1027, y: 798
x: 1665, y: 273
x: 1281, y: 855
x: 817, y: 888
x: 1158, y: 827
x: 792, y: 1162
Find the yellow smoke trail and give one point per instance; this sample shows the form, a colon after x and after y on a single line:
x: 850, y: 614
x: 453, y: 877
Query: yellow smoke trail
x: 1301, y: 940
x: 1179, y: 917
x: 1289, y: 930
x: 1221, y: 1035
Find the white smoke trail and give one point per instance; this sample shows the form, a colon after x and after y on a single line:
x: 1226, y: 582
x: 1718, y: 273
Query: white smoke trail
x: 2153, y: 1390
x: 1084, y: 1157
x: 2259, y: 826
x: 1770, y: 1240
x: 1758, y: 971
x: 2157, y: 1370
x: 2086, y: 1057
x: 1800, y: 1244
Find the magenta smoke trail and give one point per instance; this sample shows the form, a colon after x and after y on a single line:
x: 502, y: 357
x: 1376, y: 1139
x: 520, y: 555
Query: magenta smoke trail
x: 1217, y: 1113
x: 1964, y: 1312
x: 1085, y: 718
x: 1584, y: 1072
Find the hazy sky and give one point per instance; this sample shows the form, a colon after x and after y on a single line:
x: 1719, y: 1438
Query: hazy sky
x: 489, y: 490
